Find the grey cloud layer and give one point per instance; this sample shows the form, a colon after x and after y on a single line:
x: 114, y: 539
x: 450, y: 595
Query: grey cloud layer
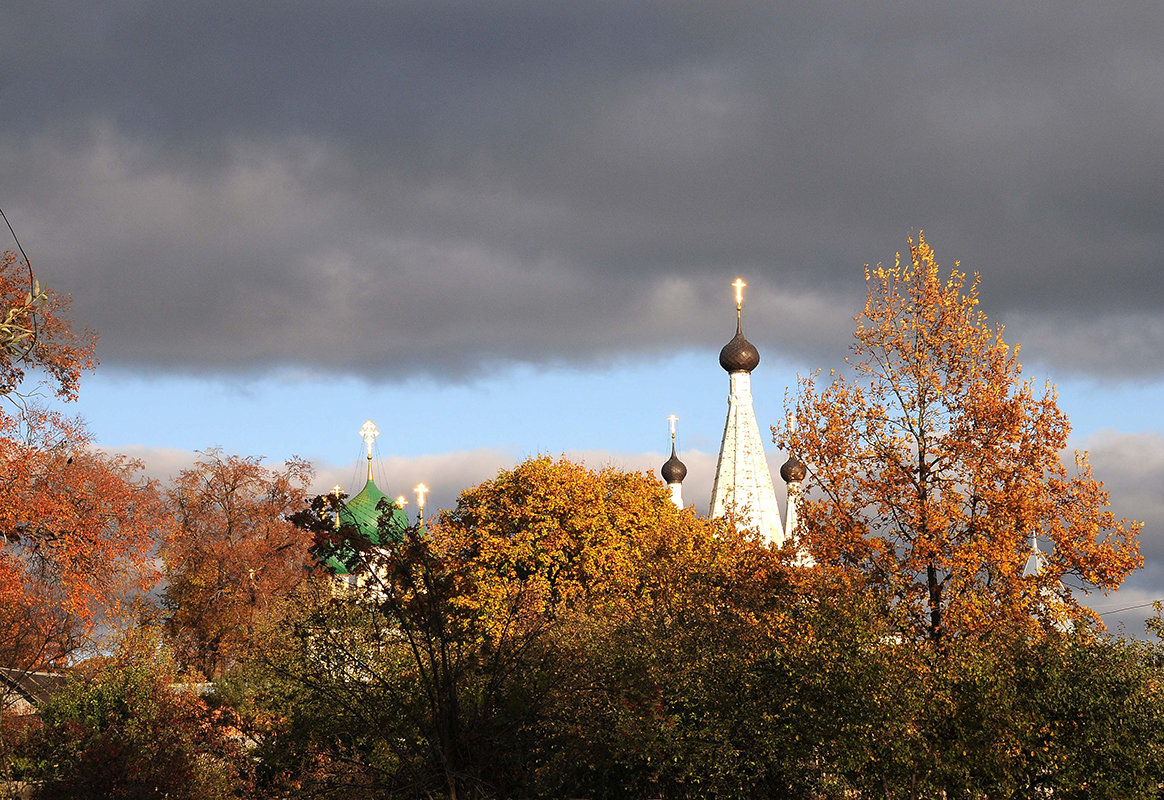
x: 438, y: 187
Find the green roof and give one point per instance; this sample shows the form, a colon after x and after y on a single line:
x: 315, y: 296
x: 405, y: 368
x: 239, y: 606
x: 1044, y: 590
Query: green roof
x: 361, y: 512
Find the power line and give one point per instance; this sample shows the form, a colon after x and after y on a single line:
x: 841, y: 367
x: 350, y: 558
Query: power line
x: 1131, y: 608
x: 24, y: 255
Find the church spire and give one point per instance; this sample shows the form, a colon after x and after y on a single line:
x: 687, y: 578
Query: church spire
x: 674, y: 470
x: 1036, y: 560
x: 743, y: 483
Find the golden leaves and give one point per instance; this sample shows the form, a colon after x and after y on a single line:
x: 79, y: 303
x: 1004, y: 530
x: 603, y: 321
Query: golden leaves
x: 933, y: 466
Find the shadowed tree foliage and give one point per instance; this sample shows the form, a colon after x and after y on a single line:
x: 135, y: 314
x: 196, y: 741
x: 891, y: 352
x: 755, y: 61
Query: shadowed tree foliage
x: 463, y: 633
x: 233, y: 556
x: 123, y: 728
x: 570, y: 633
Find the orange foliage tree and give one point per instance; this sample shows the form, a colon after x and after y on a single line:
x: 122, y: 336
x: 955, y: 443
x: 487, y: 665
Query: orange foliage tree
x: 76, y: 525
x: 934, y: 466
x: 35, y: 332
x: 78, y: 528
x: 233, y: 555
x: 463, y: 630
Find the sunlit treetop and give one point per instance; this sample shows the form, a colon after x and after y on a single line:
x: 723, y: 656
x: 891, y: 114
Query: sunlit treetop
x: 932, y: 469
x: 35, y: 333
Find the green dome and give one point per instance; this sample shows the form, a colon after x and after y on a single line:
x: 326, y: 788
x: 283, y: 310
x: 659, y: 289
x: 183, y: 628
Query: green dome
x: 361, y: 512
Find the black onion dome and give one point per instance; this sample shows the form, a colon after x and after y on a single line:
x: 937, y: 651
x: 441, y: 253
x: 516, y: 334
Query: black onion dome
x: 673, y: 470
x: 793, y: 470
x: 739, y: 355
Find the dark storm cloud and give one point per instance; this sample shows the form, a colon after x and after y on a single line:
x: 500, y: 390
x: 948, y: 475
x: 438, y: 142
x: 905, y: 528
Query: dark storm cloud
x: 1132, y: 468
x: 441, y: 187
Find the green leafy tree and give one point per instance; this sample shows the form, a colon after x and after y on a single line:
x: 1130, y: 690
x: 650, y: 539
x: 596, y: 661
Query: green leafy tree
x: 461, y: 633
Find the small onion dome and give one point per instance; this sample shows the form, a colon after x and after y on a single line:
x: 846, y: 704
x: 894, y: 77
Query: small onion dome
x: 739, y: 355
x: 793, y: 470
x: 674, y: 470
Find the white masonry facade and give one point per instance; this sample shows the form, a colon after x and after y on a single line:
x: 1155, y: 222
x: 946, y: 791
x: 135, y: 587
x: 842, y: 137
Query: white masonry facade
x: 743, y: 483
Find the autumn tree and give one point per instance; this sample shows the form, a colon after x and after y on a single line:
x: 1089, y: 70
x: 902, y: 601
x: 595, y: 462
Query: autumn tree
x: 35, y: 332
x: 935, y: 465
x: 79, y: 529
x: 435, y: 676
x: 76, y: 524
x: 233, y: 554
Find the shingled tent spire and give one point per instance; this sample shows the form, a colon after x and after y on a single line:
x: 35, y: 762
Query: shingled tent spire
x: 743, y: 484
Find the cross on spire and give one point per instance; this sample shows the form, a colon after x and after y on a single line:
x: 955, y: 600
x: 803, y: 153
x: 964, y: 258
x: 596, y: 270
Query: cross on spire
x: 672, y: 419
x: 739, y: 284
x: 421, y: 490
x: 369, y: 432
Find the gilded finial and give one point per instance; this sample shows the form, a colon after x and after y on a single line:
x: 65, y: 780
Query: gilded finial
x: 336, y: 491
x: 739, y: 284
x: 672, y: 419
x: 369, y: 432
x: 421, y: 490
x: 401, y: 501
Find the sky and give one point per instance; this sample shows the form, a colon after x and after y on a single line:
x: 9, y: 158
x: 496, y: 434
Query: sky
x: 503, y: 229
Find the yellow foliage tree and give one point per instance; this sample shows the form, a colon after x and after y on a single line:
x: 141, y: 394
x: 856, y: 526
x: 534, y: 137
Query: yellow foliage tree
x: 933, y: 468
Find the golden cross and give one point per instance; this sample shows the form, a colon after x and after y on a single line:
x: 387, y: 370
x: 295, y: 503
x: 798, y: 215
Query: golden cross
x: 421, y: 490
x: 401, y: 502
x: 369, y: 432
x: 336, y: 491
x: 739, y: 284
x: 672, y: 419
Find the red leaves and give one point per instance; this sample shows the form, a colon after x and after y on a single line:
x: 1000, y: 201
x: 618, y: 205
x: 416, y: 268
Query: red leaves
x: 78, y: 527
x: 35, y: 332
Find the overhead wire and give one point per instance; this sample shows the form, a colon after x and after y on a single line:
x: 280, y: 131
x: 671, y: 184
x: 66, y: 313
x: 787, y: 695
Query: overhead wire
x: 1131, y: 608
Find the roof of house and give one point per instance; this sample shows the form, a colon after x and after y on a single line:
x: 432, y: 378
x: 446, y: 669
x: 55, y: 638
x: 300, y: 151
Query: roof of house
x: 32, y: 687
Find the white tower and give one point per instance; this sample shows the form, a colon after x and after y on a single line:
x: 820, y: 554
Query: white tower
x: 743, y: 483
x: 793, y: 473
x: 1036, y: 561
x: 674, y: 470
x: 1036, y: 564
